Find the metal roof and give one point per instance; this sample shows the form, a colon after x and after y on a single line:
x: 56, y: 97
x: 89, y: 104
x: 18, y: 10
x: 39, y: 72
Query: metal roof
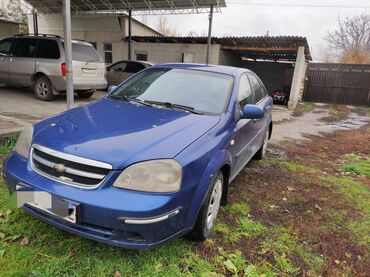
x: 278, y: 48
x: 3, y: 20
x: 138, y: 7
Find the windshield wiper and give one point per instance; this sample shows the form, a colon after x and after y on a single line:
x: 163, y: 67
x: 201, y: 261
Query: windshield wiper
x: 174, y: 106
x: 129, y: 99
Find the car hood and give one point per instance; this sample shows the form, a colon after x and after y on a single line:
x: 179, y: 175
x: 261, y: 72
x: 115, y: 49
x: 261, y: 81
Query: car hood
x: 122, y: 133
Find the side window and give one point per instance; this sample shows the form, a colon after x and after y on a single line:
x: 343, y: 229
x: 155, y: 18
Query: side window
x: 48, y: 49
x: 108, y: 53
x: 25, y: 48
x: 134, y: 67
x: 245, y: 94
x: 5, y: 47
x: 118, y: 67
x: 142, y: 57
x: 258, y: 89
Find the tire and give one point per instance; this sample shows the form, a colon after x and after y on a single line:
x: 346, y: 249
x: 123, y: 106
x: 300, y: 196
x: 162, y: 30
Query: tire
x: 261, y: 153
x: 204, y: 224
x: 85, y: 94
x: 43, y: 89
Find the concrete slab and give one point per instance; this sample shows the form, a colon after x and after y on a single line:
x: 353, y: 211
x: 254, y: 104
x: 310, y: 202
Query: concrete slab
x: 19, y: 108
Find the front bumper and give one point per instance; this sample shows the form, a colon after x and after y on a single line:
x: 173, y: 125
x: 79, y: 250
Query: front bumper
x: 114, y: 216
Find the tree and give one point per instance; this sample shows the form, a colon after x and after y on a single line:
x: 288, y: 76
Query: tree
x: 351, y: 39
x: 164, y: 29
x: 13, y: 11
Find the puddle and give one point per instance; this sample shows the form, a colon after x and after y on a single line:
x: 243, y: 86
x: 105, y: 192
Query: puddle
x: 310, y: 124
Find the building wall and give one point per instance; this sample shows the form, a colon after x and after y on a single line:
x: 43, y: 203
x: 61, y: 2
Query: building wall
x: 271, y: 73
x: 8, y: 29
x: 172, y: 52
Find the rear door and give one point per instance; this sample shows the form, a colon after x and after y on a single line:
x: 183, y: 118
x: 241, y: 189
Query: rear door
x: 22, y: 64
x: 5, y: 53
x: 116, y: 73
x: 265, y: 103
x: 88, y: 67
x: 245, y: 129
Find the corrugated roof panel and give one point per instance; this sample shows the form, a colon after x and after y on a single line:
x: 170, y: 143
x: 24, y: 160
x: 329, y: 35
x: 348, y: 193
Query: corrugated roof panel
x: 119, y: 6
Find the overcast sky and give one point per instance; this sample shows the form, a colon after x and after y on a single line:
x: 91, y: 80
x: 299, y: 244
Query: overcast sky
x: 242, y: 18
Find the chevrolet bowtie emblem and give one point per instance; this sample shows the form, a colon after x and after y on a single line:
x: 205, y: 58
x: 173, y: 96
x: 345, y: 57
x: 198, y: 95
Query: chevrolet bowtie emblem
x: 60, y: 168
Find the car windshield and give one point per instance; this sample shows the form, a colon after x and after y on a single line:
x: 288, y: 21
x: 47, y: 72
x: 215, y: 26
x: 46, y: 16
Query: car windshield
x: 201, y: 91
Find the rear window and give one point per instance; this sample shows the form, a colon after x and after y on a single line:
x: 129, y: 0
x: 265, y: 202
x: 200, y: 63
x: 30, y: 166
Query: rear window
x: 48, y: 49
x: 84, y: 53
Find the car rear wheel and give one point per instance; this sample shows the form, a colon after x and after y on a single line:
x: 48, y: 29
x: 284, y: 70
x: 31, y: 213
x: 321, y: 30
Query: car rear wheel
x: 261, y: 153
x: 43, y: 89
x: 204, y: 225
x: 85, y: 94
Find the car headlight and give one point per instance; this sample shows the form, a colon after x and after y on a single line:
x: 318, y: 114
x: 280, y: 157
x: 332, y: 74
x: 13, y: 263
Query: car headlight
x: 24, y: 142
x: 151, y: 176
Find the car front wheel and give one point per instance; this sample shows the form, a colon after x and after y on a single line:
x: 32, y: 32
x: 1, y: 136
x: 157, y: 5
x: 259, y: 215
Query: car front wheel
x: 204, y: 225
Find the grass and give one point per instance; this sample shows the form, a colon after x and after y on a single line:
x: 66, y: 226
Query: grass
x: 290, y: 220
x: 8, y: 146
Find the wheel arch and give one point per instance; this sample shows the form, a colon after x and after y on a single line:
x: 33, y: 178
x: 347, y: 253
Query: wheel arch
x: 220, y: 161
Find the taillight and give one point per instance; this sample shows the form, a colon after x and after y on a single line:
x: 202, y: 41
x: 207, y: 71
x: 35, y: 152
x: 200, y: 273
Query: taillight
x: 64, y: 70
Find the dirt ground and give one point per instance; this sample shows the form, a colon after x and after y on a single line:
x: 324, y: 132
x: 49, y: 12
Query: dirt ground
x: 310, y: 206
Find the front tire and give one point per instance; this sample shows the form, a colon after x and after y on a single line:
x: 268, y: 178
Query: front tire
x: 206, y: 219
x: 43, y: 89
x: 261, y: 153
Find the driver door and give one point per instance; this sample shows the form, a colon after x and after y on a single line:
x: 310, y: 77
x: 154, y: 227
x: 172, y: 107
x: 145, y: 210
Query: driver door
x: 5, y: 52
x: 245, y: 129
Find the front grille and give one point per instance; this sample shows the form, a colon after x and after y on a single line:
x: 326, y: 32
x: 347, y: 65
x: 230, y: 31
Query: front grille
x: 68, y: 169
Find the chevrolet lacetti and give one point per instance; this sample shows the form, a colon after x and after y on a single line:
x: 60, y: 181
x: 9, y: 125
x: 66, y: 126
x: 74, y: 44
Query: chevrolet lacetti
x: 149, y: 162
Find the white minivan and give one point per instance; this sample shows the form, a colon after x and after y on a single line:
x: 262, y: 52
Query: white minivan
x: 39, y: 62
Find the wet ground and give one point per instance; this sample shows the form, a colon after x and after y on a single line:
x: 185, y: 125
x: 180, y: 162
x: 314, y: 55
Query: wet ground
x: 320, y: 120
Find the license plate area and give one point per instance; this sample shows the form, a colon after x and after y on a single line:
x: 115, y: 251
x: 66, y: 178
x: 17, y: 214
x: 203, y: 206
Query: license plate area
x: 51, y: 204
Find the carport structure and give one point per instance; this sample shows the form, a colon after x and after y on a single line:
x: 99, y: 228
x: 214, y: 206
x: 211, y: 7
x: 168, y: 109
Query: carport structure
x: 114, y: 7
x: 271, y: 57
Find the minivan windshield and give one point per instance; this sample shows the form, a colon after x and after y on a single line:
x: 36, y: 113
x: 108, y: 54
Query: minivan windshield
x: 205, y: 92
x: 84, y: 53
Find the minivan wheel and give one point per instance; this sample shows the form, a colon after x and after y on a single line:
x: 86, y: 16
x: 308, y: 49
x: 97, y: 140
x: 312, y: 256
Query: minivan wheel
x: 206, y: 219
x: 85, y: 93
x: 261, y: 153
x: 43, y: 89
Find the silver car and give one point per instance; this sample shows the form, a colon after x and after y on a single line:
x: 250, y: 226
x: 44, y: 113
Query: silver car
x: 122, y: 70
x: 39, y: 62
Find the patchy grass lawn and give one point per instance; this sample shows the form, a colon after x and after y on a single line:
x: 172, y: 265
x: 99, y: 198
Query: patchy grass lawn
x: 307, y: 214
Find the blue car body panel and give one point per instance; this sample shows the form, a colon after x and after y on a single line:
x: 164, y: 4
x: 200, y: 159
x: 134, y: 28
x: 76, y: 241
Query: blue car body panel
x: 121, y: 134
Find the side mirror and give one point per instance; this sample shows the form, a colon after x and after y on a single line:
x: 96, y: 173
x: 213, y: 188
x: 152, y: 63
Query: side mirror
x: 252, y: 112
x: 111, y: 88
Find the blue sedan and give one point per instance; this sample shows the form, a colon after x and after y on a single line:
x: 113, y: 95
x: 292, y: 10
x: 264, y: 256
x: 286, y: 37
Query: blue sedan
x: 151, y: 161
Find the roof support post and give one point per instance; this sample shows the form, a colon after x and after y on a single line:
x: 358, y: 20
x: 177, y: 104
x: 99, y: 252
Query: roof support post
x: 35, y: 23
x: 68, y: 52
x: 298, y: 78
x: 209, y: 34
x: 129, y: 33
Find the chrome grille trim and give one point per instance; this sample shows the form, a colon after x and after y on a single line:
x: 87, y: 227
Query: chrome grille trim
x: 68, y: 169
x: 34, y: 158
x: 71, y: 158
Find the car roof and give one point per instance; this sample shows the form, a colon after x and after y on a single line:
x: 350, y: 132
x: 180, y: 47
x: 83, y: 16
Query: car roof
x: 229, y: 70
